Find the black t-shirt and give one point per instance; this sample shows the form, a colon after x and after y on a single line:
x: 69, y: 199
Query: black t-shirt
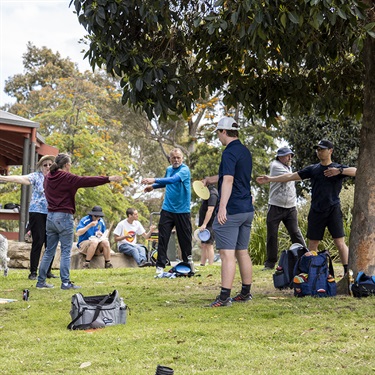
x: 325, y: 191
x: 212, y: 202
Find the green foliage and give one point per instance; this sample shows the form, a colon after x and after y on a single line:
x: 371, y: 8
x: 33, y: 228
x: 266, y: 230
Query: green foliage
x: 262, y: 54
x: 303, y: 132
x: 168, y: 324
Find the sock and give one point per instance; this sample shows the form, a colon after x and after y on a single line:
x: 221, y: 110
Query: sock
x: 345, y: 268
x: 224, y: 293
x: 245, y: 289
x: 107, y: 261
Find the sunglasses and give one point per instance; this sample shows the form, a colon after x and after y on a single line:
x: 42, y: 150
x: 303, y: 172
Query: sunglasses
x: 47, y: 165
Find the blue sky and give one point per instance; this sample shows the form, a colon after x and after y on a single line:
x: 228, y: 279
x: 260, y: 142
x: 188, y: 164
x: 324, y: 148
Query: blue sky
x: 49, y: 23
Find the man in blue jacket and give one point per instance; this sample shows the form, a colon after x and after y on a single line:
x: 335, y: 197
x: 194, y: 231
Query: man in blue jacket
x: 175, y: 209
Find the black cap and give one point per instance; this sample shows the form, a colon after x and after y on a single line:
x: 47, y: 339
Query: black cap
x: 96, y: 211
x: 324, y: 144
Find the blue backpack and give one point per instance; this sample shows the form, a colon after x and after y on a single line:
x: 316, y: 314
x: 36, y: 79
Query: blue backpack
x: 314, y: 276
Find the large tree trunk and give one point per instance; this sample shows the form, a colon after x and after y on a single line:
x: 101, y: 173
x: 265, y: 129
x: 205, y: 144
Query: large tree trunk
x: 362, y: 237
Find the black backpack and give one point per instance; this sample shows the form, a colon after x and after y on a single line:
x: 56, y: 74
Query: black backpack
x: 283, y: 276
x: 364, y: 286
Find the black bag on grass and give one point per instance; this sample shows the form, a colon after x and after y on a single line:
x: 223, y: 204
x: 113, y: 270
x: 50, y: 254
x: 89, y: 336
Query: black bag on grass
x: 283, y: 276
x: 364, y: 286
x: 97, y: 311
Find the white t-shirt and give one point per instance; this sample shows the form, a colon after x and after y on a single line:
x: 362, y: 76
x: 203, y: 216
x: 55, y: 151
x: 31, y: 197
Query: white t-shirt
x: 125, y: 228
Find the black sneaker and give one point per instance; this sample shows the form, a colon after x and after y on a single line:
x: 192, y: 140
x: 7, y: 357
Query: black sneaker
x: 50, y: 275
x: 241, y: 298
x: 268, y: 268
x: 219, y: 303
x: 33, y: 276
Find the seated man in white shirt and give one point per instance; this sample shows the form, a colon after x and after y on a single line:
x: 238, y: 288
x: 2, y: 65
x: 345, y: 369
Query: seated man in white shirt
x: 126, y: 237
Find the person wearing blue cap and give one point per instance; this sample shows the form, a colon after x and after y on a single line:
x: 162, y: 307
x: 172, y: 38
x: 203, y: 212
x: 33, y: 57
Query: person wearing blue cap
x: 325, y: 212
x: 282, y: 203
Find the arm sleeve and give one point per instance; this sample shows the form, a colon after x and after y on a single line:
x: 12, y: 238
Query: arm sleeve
x: 168, y: 180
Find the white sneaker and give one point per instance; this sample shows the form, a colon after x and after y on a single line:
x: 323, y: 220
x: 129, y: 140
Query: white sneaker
x: 159, y: 270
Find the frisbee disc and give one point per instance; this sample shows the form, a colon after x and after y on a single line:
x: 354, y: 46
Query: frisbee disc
x: 182, y: 268
x: 201, y: 190
x: 204, y: 235
x: 196, y: 237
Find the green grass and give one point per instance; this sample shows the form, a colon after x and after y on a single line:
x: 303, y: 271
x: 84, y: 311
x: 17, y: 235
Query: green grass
x: 169, y: 324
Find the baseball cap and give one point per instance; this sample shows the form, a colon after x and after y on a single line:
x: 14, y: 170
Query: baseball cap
x: 324, y: 144
x: 227, y: 123
x: 283, y: 151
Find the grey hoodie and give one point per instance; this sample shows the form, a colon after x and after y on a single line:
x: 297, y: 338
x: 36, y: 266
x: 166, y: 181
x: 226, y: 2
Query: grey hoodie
x: 282, y: 194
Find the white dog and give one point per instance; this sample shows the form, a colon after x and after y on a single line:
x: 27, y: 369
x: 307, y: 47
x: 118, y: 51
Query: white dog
x: 3, y: 254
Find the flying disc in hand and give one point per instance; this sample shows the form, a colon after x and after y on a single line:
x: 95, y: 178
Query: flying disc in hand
x: 201, y: 190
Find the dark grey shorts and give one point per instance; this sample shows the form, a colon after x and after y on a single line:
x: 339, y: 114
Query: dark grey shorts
x: 235, y: 233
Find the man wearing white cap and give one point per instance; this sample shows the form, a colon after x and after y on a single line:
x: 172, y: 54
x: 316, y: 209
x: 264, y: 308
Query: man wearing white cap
x: 281, y: 207
x: 235, y: 214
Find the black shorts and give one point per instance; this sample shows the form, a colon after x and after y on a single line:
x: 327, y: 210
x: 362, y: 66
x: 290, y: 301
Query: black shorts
x: 319, y: 221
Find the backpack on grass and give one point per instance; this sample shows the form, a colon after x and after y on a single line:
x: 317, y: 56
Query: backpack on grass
x: 364, y: 286
x: 283, y: 276
x: 314, y: 275
x: 97, y: 311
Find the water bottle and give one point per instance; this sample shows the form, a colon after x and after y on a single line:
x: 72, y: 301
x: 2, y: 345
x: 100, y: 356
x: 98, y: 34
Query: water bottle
x: 191, y: 263
x: 122, y: 314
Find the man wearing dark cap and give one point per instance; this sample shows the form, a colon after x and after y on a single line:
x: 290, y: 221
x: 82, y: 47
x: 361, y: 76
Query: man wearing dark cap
x: 93, y: 238
x: 281, y: 207
x: 325, y: 211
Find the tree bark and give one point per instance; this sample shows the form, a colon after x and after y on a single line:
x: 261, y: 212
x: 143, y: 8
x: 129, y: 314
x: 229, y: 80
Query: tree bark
x: 362, y: 237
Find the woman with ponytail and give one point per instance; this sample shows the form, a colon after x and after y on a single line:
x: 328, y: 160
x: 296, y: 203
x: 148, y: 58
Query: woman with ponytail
x: 60, y: 187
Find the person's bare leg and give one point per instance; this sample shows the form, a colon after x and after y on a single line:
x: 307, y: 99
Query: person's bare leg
x: 228, y: 268
x: 245, y: 265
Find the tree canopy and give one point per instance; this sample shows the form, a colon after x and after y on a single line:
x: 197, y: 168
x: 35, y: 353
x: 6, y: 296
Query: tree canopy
x: 169, y: 54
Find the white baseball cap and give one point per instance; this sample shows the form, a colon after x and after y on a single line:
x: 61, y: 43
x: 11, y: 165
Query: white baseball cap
x: 226, y: 123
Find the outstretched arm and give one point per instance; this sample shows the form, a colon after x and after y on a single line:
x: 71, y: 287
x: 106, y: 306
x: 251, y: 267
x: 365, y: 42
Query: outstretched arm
x: 24, y: 180
x: 282, y: 178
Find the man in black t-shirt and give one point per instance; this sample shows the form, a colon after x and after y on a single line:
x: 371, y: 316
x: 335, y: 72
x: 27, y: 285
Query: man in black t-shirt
x: 206, y: 218
x: 325, y: 211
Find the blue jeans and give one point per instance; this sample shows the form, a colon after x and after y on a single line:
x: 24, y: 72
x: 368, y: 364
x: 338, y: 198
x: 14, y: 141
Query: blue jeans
x: 60, y: 227
x: 138, y: 252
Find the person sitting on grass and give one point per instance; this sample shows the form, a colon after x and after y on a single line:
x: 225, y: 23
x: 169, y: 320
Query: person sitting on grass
x: 92, y: 238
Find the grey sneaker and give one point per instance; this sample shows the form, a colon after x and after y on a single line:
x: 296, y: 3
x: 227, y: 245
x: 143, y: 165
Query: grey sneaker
x: 70, y: 286
x: 44, y: 285
x: 159, y: 270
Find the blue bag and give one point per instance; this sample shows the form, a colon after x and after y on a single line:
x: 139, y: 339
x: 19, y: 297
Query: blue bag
x: 283, y: 276
x: 364, y: 286
x: 314, y: 276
